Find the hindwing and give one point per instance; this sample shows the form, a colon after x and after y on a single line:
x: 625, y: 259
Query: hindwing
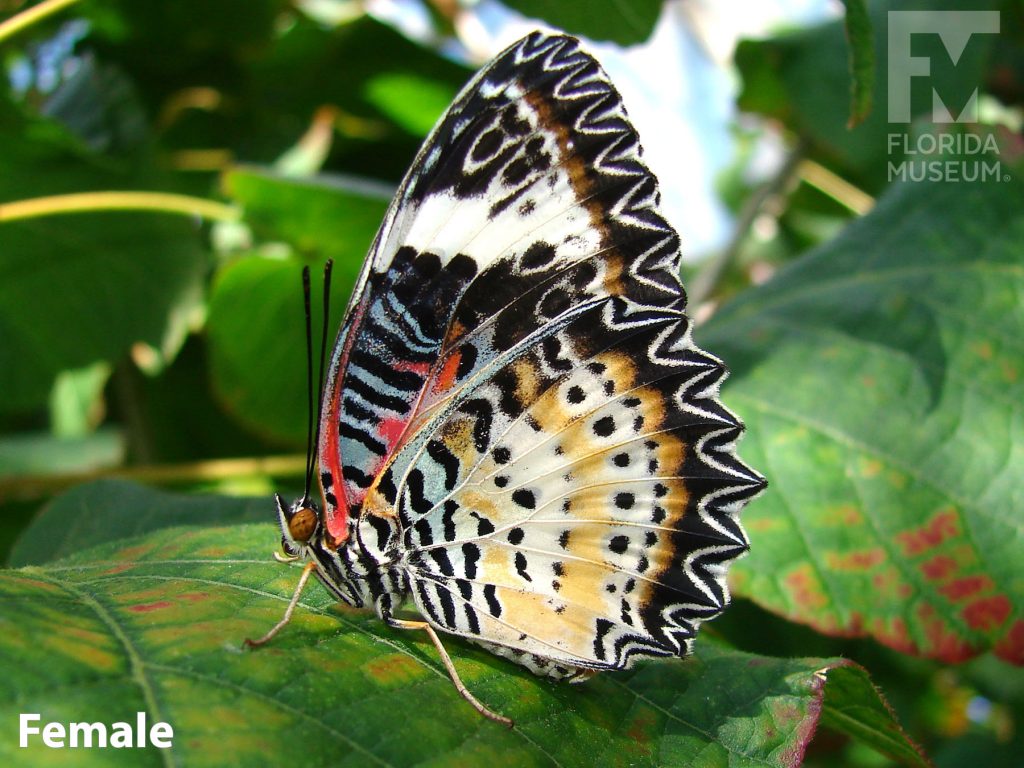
x: 579, y: 501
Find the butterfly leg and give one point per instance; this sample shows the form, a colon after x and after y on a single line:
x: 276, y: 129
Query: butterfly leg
x: 310, y: 567
x: 448, y: 665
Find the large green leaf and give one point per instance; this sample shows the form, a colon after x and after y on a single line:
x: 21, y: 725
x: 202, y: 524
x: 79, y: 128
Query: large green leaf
x: 358, y: 67
x: 625, y: 23
x: 881, y: 378
x: 77, y: 289
x: 155, y: 624
x: 323, y: 217
x: 107, y: 510
x: 255, y: 324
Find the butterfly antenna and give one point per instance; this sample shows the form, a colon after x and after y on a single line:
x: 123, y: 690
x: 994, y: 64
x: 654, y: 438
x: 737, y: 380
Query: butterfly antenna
x: 309, y: 382
x: 320, y: 377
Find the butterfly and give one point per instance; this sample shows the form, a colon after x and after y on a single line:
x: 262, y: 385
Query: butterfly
x: 518, y: 437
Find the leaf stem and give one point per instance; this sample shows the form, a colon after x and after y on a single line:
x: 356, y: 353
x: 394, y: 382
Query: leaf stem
x: 836, y: 187
x: 41, y: 486
x: 28, y: 17
x: 85, y: 202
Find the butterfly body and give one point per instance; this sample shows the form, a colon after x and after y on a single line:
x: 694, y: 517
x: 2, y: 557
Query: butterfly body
x: 518, y: 436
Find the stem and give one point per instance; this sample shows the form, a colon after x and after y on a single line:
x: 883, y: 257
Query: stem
x: 85, y: 202
x: 32, y: 487
x: 27, y: 18
x: 836, y: 187
x: 704, y: 284
x: 138, y: 436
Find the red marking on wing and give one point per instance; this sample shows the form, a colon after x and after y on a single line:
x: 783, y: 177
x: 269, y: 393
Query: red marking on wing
x: 446, y: 376
x: 987, y: 612
x: 422, y: 369
x: 1011, y: 647
x: 329, y: 450
x: 147, y: 607
x: 390, y: 430
x: 943, y: 525
x: 335, y: 518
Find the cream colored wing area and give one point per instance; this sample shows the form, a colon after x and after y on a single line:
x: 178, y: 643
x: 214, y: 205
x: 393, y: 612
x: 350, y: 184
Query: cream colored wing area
x: 575, y: 505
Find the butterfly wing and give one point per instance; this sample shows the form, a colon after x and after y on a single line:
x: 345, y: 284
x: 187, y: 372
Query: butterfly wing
x: 501, y: 226
x: 579, y: 504
x: 566, y: 483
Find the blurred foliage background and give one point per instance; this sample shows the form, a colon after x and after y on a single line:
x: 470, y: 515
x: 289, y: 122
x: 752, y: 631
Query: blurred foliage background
x: 158, y: 337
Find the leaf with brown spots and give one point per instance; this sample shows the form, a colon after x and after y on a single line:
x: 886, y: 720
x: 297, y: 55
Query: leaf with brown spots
x: 882, y: 381
x: 156, y: 624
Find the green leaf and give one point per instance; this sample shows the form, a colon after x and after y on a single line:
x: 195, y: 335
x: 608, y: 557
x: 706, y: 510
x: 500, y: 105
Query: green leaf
x: 322, y: 217
x: 862, y: 59
x: 107, y: 510
x: 255, y: 325
x: 853, y: 706
x: 155, y: 624
x: 76, y: 402
x: 802, y: 78
x: 311, y: 65
x: 619, y: 21
x: 77, y: 289
x: 42, y: 453
x: 881, y: 380
x: 410, y: 100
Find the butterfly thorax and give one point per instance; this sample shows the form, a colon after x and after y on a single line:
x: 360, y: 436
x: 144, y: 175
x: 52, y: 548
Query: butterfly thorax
x: 362, y: 569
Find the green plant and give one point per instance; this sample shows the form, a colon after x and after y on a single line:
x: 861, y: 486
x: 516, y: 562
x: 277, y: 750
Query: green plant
x: 878, y: 371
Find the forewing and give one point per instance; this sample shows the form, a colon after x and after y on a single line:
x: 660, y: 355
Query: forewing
x: 526, y: 205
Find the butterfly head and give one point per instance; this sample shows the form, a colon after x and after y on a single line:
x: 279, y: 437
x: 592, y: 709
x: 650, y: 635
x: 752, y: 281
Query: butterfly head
x: 300, y: 522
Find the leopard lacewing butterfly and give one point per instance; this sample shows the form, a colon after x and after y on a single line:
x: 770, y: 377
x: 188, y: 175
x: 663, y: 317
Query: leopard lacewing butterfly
x: 517, y: 435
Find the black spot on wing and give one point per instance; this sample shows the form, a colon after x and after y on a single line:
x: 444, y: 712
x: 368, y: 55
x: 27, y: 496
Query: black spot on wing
x: 484, y: 527
x: 524, y: 498
x: 448, y: 519
x: 439, y: 452
x: 520, y: 562
x: 604, y: 426
x: 471, y: 556
x: 483, y: 412
x: 444, y: 564
x: 361, y: 436
x: 490, y: 595
x: 414, y: 492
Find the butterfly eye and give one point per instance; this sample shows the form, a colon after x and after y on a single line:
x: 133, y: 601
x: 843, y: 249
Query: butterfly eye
x: 302, y: 524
